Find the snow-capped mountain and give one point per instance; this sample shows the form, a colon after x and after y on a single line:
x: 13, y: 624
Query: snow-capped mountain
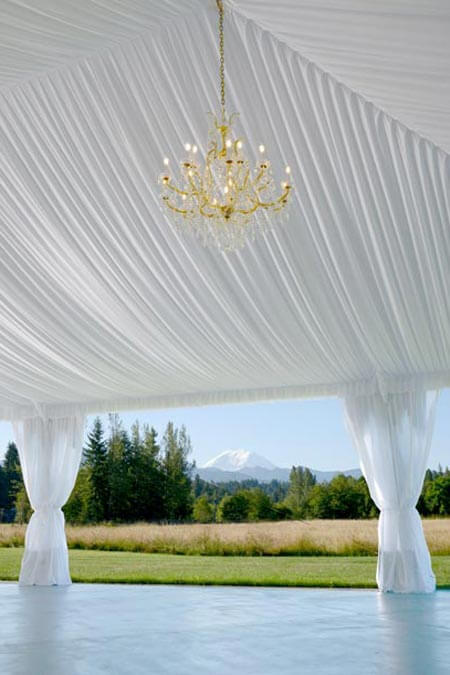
x: 238, y: 460
x: 243, y: 465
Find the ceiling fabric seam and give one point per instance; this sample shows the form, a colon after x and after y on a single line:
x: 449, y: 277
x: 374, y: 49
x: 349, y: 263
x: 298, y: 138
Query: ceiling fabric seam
x: 108, y: 48
x: 363, y: 261
x: 232, y: 5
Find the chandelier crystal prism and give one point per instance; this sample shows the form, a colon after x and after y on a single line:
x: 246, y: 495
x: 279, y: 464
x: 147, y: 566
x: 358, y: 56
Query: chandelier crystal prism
x: 222, y: 199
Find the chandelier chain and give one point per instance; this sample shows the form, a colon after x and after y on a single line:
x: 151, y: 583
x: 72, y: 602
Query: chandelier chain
x: 220, y: 196
x: 222, y: 58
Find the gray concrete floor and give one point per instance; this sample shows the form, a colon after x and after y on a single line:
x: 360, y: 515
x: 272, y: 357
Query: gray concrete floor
x: 184, y: 630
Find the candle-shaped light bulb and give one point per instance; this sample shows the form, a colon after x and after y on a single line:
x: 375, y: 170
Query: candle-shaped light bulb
x: 288, y: 169
x: 187, y: 147
x: 228, y: 143
x: 239, y: 145
x: 225, y: 189
x: 166, y: 161
x: 261, y: 148
x: 194, y: 149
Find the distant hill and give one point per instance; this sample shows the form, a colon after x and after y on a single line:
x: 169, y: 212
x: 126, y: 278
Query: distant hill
x: 240, y: 465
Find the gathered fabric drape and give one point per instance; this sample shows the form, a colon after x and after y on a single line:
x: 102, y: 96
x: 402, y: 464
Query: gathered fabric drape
x: 355, y: 284
x: 105, y: 305
x: 50, y: 453
x: 392, y: 435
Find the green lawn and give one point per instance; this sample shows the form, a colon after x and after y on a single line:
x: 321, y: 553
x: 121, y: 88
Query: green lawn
x: 152, y: 568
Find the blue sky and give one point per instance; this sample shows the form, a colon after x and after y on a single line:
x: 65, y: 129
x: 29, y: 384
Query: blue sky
x: 311, y: 433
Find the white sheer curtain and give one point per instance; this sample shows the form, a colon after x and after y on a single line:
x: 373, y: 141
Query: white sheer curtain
x: 50, y: 452
x: 393, y: 436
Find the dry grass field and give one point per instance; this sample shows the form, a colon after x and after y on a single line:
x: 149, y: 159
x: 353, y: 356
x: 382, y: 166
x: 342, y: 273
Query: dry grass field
x: 313, y: 538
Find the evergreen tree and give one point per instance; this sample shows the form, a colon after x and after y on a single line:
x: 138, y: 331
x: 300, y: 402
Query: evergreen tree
x: 275, y: 489
x: 12, y: 474
x: 145, y: 475
x: 177, y: 470
x: 78, y: 508
x: 437, y: 495
x: 199, y: 486
x: 3, y: 492
x: 301, y: 481
x: 95, y: 459
x: 119, y: 473
x: 22, y: 505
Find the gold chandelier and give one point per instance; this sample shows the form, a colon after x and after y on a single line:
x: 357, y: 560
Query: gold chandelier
x: 219, y: 199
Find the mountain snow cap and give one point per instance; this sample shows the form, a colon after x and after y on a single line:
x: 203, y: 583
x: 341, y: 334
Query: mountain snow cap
x: 238, y: 460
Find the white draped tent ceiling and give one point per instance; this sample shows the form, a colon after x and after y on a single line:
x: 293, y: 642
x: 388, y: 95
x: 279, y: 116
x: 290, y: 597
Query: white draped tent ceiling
x: 105, y: 305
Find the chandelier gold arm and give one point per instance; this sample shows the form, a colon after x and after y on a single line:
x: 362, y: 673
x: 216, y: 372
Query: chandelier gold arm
x: 217, y: 197
x: 174, y: 188
x: 173, y: 207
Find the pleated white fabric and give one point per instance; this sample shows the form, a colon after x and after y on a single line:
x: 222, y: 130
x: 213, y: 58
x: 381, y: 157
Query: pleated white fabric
x: 395, y: 53
x: 104, y: 305
x: 50, y: 453
x: 392, y: 437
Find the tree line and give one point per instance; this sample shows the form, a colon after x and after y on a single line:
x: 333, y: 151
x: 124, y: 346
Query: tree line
x: 132, y: 476
x: 302, y: 498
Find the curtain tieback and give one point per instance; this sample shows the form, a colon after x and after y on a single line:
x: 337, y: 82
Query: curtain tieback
x: 46, y: 509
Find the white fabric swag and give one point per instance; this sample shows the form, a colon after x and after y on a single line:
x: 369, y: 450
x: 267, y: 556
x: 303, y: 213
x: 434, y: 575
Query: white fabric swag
x: 50, y: 453
x: 105, y: 306
x: 393, y: 437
